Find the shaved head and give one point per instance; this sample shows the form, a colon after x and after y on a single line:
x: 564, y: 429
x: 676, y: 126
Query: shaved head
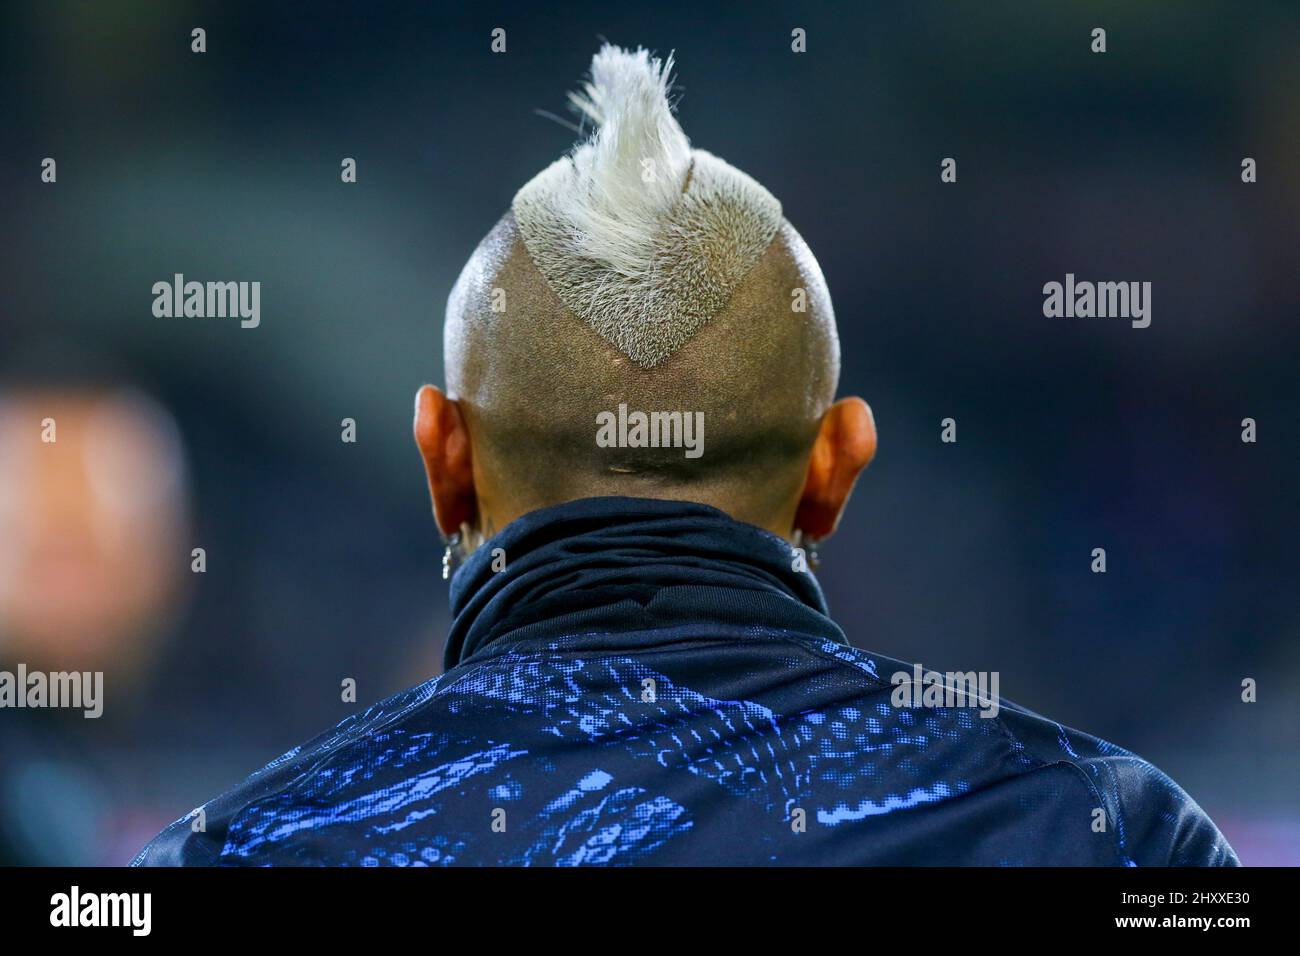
x: 608, y: 292
x: 532, y: 379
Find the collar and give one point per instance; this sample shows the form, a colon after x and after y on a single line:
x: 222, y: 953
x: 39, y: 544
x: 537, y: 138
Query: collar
x: 617, y: 569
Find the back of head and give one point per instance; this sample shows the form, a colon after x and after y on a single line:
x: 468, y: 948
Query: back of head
x: 643, y: 321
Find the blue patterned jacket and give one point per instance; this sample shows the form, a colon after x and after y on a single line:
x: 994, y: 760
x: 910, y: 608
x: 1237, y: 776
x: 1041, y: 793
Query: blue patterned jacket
x: 652, y: 682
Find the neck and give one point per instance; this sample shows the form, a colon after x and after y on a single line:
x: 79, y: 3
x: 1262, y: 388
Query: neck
x: 774, y: 514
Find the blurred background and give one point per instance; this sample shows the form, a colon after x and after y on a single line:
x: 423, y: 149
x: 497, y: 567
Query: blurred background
x: 323, y: 562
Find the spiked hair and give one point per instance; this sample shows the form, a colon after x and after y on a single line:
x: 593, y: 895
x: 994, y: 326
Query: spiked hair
x: 639, y: 235
x: 638, y: 271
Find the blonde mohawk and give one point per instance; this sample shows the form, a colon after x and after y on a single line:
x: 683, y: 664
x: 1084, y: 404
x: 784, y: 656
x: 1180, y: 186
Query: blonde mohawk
x: 638, y: 235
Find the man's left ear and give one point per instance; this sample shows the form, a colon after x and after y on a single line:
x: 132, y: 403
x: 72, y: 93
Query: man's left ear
x: 443, y: 440
x: 846, y: 443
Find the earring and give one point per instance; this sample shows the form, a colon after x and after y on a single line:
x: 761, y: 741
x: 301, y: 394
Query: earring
x: 451, y: 554
x: 811, y: 548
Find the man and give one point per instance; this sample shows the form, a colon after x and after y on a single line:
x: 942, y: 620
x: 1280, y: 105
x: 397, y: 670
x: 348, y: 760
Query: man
x: 94, y: 493
x: 637, y: 448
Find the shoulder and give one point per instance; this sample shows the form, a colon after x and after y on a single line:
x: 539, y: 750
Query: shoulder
x: 1148, y: 819
x: 1153, y: 821
x: 199, y: 838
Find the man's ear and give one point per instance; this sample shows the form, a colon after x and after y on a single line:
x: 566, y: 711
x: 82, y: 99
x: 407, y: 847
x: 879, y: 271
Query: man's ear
x: 443, y: 440
x: 846, y: 443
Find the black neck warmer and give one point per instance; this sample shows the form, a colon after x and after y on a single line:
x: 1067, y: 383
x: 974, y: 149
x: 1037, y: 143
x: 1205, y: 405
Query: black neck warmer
x: 611, y: 567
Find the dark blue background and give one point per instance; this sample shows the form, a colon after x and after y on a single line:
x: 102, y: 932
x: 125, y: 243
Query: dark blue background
x: 1073, y: 433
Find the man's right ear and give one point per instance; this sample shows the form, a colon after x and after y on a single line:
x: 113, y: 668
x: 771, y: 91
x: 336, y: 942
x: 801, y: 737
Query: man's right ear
x: 443, y: 440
